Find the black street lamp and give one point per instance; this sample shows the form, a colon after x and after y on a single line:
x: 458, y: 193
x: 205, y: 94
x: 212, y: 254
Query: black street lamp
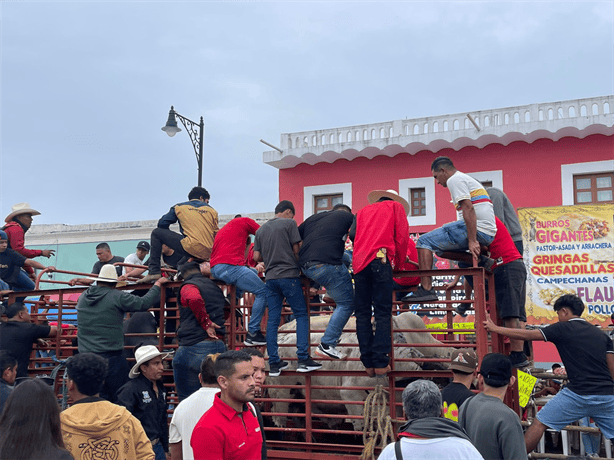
x: 196, y: 132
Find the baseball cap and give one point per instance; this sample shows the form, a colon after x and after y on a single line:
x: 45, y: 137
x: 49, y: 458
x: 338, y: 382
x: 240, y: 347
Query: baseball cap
x: 496, y: 369
x: 3, y: 235
x: 143, y: 245
x: 464, y: 360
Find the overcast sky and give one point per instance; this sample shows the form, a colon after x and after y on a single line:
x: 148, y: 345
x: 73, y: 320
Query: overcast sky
x: 86, y: 87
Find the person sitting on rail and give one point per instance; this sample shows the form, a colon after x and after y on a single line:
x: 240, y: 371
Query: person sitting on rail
x: 228, y: 265
x: 12, y: 277
x: 427, y: 434
x: 475, y: 223
x: 105, y: 257
x: 100, y: 315
x: 201, y: 331
x: 198, y: 223
x: 18, y: 222
x: 588, y: 356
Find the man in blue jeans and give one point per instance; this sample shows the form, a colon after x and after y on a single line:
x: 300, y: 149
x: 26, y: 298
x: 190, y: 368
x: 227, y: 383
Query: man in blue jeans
x: 277, y: 245
x: 321, y: 259
x: 12, y: 277
x: 474, y: 225
x: 228, y: 265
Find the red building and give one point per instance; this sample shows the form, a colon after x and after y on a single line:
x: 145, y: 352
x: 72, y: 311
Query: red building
x: 540, y: 155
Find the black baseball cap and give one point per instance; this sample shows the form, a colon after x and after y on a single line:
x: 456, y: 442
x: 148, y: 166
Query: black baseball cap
x: 143, y: 245
x: 496, y: 370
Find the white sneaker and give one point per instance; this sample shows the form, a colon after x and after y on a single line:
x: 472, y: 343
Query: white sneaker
x: 328, y: 351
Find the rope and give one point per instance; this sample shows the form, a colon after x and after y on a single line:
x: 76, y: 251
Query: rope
x: 378, y: 424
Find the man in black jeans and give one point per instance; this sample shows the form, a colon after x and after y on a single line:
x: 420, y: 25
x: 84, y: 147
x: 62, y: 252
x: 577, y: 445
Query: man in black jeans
x: 380, y: 241
x: 198, y: 224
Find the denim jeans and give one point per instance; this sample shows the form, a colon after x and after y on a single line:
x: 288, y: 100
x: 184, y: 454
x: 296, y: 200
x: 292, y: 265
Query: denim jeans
x: 451, y: 237
x: 374, y: 288
x: 291, y: 289
x: 245, y: 280
x: 338, y: 283
x: 159, y: 452
x: 186, y: 365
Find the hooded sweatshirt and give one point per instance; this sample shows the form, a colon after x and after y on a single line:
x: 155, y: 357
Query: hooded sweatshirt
x: 95, y: 428
x: 100, y: 315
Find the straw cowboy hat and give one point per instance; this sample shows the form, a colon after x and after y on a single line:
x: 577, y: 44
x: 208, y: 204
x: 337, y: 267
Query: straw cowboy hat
x: 21, y: 208
x: 108, y: 274
x: 377, y: 194
x: 142, y: 355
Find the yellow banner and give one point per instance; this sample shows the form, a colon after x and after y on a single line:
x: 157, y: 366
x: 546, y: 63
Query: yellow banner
x: 456, y: 327
x: 526, y: 383
x: 569, y: 250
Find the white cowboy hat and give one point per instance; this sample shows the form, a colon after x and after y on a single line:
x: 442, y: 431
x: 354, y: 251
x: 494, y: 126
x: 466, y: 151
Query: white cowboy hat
x: 142, y: 355
x: 108, y: 274
x: 377, y: 194
x: 21, y: 208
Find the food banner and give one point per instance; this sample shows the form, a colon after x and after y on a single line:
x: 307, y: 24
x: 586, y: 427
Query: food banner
x: 569, y: 250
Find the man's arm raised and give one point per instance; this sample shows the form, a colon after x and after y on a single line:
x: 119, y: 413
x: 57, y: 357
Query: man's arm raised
x: 518, y: 334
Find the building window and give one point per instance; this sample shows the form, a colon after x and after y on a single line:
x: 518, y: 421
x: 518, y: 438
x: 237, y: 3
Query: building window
x: 417, y: 202
x: 423, y: 211
x: 323, y: 203
x: 486, y: 183
x: 337, y: 193
x: 594, y: 188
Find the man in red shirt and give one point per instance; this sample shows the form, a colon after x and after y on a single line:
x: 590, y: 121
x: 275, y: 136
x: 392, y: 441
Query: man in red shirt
x: 201, y: 330
x: 510, y: 285
x: 228, y: 265
x: 230, y: 429
x: 18, y: 222
x: 380, y: 243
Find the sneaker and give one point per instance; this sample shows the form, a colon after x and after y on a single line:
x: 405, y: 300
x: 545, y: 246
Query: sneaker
x: 254, y: 340
x: 461, y: 310
x: 307, y: 365
x: 519, y: 359
x: 151, y: 278
x: 328, y: 351
x: 276, y: 368
x: 421, y: 295
x: 487, y: 263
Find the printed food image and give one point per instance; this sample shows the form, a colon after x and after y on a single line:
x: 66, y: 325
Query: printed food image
x: 549, y: 296
x: 598, y: 227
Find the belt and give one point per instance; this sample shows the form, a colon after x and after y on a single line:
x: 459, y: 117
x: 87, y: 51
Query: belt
x: 155, y: 441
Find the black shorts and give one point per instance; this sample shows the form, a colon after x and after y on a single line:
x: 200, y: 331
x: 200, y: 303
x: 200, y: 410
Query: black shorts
x: 510, y: 290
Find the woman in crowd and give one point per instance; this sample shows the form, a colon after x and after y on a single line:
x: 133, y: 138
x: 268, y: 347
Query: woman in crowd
x: 30, y: 424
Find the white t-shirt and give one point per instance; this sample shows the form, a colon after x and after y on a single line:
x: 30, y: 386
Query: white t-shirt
x: 186, y: 416
x: 433, y: 449
x: 464, y: 187
x: 133, y: 259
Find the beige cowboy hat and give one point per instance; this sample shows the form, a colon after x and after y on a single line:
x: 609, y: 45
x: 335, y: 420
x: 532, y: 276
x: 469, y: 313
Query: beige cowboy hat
x: 21, y: 208
x: 377, y: 194
x: 142, y: 355
x: 108, y: 274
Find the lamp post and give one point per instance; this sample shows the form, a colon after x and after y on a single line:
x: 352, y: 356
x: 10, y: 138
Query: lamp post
x: 196, y: 132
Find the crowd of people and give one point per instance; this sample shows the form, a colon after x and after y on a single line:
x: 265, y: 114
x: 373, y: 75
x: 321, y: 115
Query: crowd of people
x: 121, y: 411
